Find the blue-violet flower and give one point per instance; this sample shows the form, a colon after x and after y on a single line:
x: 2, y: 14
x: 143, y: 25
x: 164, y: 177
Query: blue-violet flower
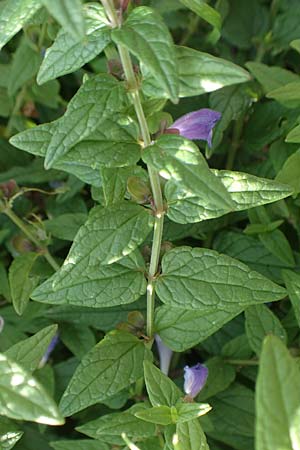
x: 196, y: 125
x: 194, y: 379
x: 165, y: 355
x: 49, y: 350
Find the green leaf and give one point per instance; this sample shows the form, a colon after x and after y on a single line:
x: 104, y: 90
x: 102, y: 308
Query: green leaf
x: 96, y: 286
x: 6, y: 103
x: 109, y: 428
x: 10, y: 434
x: 271, y: 78
x: 161, y: 390
x: 237, y: 348
x: 100, y: 97
x: 294, y: 135
x: 233, y: 417
x: 65, y: 226
x: 14, y: 14
x: 277, y: 243
x: 277, y: 388
x: 68, y: 54
x: 296, y: 45
x: 190, y: 182
x: 161, y: 415
x: 29, y: 352
x: 190, y: 436
x: 248, y: 191
x: 189, y: 411
x: 69, y: 14
x: 200, y: 72
x: 26, y: 62
x: 4, y: 284
x: 206, y: 12
x: 288, y: 95
x: 78, y: 338
x: 257, y: 228
x: 290, y: 172
x: 292, y: 283
x: 261, y: 321
x: 113, y: 144
x: 146, y: 36
x: 21, y: 283
x: 181, y: 329
x: 113, y: 364
x: 23, y: 398
x: 114, y: 182
x: 198, y: 278
x: 79, y: 444
x: 220, y: 376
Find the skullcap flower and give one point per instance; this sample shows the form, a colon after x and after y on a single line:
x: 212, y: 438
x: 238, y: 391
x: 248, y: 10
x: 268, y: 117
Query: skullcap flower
x: 49, y: 350
x: 194, y: 379
x: 165, y: 355
x: 196, y: 125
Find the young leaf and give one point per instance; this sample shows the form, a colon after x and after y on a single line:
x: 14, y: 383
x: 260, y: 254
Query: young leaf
x: 29, y: 352
x: 260, y: 321
x: 96, y: 286
x: 189, y: 436
x: 272, y: 77
x: 206, y: 12
x: 161, y: 415
x: 146, y: 36
x: 21, y: 283
x: 294, y: 135
x: 14, y: 14
x: 277, y: 388
x: 181, y: 329
x: 100, y: 97
x: 113, y: 364
x: 108, y: 428
x: 288, y: 95
x: 68, y: 54
x: 79, y: 444
x: 23, y: 398
x: 292, y: 283
x: 199, y: 278
x: 189, y: 411
x: 161, y: 390
x: 69, y: 14
x: 190, y: 180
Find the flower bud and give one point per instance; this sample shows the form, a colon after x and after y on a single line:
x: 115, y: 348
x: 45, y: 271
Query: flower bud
x: 194, y: 379
x: 138, y: 190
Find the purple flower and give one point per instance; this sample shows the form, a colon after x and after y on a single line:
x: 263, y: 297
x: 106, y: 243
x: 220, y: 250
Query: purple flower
x: 49, y: 350
x: 194, y: 379
x: 196, y: 125
x: 165, y: 355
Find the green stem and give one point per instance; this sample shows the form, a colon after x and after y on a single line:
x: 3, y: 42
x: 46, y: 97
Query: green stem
x: 242, y: 362
x: 20, y: 224
x: 133, y: 89
x: 236, y: 138
x: 15, y: 111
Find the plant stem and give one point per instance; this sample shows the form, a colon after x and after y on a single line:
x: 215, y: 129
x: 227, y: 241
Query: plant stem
x: 242, y: 362
x: 236, y: 138
x: 133, y: 89
x: 20, y: 224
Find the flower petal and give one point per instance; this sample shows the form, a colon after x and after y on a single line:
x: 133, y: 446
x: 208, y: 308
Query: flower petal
x: 197, y: 124
x: 194, y: 379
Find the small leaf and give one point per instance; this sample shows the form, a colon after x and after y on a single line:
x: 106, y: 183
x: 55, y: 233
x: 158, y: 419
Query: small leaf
x: 198, y: 278
x: 14, y: 14
x: 21, y: 283
x: 190, y: 411
x: 109, y: 428
x: 29, y: 352
x: 261, y: 321
x: 146, y: 36
x: 290, y: 172
x: 272, y: 77
x: 161, y: 390
x: 288, y: 95
x: 181, y: 329
x: 10, y: 434
x: 277, y: 388
x: 294, y: 135
x: 65, y: 226
x: 78, y: 338
x: 292, y: 282
x: 206, y: 12
x: 69, y: 14
x: 23, y: 398
x: 161, y: 415
x: 68, y: 54
x: 189, y: 436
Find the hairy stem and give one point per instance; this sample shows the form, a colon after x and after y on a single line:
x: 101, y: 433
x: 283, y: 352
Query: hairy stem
x: 22, y: 226
x: 133, y: 89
